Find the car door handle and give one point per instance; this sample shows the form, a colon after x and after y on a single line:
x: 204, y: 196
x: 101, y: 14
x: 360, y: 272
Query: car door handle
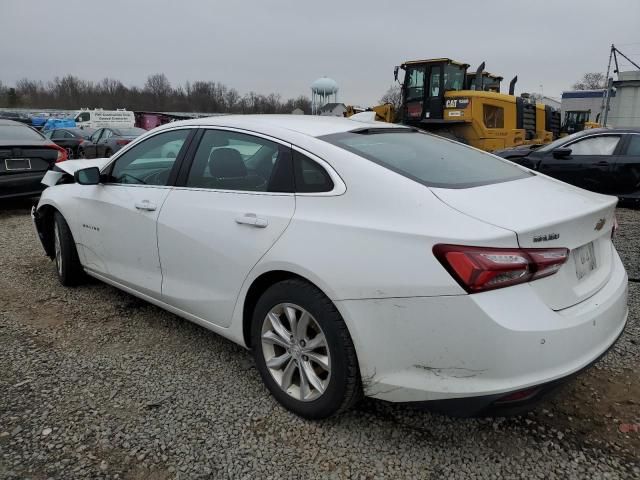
x: 251, y: 219
x: 146, y: 205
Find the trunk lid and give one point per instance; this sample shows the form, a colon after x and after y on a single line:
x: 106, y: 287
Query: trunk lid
x: 16, y: 159
x: 546, y: 213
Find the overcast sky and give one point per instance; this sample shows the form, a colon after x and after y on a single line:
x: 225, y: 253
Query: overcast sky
x: 283, y: 45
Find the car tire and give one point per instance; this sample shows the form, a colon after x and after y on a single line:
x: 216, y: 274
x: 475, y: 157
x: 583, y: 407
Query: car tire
x: 312, y: 376
x: 68, y: 266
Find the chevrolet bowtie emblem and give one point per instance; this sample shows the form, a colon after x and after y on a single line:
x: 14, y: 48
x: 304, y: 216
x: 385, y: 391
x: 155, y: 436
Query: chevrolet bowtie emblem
x: 600, y: 224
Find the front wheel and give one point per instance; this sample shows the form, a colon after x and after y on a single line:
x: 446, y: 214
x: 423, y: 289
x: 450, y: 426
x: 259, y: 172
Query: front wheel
x: 303, y: 350
x: 68, y: 267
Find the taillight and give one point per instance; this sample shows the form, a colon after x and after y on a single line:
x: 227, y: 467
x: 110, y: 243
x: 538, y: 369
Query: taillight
x: 62, y: 153
x: 478, y: 269
x: 122, y: 142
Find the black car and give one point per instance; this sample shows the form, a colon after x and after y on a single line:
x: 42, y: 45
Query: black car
x: 15, y: 116
x: 106, y: 141
x: 70, y: 139
x: 603, y: 160
x: 25, y: 156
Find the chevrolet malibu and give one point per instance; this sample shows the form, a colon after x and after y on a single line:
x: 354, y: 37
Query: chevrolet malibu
x: 351, y: 257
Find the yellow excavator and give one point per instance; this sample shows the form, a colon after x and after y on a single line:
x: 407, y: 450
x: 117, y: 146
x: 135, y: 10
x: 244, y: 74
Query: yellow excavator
x: 439, y: 95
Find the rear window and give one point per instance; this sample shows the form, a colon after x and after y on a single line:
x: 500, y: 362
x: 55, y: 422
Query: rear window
x: 19, y: 133
x: 428, y: 159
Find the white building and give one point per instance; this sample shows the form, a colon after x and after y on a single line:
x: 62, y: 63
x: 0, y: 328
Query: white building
x: 624, y: 110
x: 583, y: 100
x: 333, y: 110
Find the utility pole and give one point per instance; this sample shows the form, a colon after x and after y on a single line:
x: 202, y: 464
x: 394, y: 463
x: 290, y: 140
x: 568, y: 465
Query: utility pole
x: 605, y: 96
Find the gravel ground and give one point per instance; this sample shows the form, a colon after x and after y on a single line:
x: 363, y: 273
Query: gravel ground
x: 98, y: 384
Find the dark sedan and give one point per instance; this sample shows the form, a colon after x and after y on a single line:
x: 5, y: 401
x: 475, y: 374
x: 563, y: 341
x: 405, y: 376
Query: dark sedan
x: 25, y: 156
x: 107, y: 141
x: 71, y: 139
x: 602, y: 160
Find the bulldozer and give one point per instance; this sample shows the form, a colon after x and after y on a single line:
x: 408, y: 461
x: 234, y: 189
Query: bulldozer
x: 439, y: 95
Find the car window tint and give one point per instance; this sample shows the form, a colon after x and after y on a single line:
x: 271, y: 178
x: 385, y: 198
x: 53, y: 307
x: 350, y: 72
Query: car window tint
x: 18, y: 133
x: 309, y: 175
x: 228, y: 160
x: 106, y: 135
x: 427, y: 159
x: 150, y: 161
x: 634, y: 145
x: 95, y: 136
x: 604, y: 145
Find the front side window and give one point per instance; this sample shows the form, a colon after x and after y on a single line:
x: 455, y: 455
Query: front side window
x: 428, y: 159
x: 604, y: 145
x: 83, y: 117
x: 493, y: 116
x: 415, y: 83
x: 228, y: 160
x: 94, y: 138
x: 147, y: 163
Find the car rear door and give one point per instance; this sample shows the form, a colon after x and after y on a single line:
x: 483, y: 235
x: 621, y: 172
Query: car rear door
x: 627, y: 166
x: 101, y: 146
x: 117, y: 218
x: 225, y: 213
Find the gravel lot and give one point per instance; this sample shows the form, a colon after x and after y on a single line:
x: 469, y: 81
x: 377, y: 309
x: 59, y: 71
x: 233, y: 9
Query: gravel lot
x: 98, y: 384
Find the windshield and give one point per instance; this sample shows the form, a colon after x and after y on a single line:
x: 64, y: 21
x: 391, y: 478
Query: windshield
x: 19, y: 133
x: 428, y: 159
x: 559, y: 142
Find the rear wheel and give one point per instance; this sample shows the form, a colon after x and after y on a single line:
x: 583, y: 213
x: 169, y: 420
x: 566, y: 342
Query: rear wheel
x: 68, y: 267
x: 303, y: 350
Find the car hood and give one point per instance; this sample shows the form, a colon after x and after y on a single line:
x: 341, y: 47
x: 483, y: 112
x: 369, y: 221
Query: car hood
x: 72, y: 166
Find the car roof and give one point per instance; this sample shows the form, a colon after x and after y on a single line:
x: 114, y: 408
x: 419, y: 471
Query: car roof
x: 591, y: 131
x: 311, y: 125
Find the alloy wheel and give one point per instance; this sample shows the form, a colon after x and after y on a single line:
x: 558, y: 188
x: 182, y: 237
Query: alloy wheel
x: 296, y: 352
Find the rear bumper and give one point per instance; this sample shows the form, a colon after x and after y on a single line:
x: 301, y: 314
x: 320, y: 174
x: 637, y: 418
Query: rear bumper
x: 425, y: 349
x: 21, y: 184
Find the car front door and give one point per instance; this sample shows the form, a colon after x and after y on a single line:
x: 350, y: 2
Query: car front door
x: 90, y: 147
x: 221, y: 218
x: 117, y: 218
x: 101, y: 146
x: 627, y: 166
x: 590, y: 165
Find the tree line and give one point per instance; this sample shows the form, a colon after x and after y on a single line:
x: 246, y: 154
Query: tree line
x: 157, y: 94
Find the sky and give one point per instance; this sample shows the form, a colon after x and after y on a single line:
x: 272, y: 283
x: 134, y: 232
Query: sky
x: 282, y: 46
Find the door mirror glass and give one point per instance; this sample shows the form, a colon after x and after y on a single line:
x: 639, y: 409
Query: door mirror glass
x: 87, y: 176
x: 562, y: 152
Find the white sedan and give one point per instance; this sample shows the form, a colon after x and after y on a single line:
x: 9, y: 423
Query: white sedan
x: 352, y: 258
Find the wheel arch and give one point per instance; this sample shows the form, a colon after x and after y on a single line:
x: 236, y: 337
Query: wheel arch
x: 259, y: 285
x: 44, y: 218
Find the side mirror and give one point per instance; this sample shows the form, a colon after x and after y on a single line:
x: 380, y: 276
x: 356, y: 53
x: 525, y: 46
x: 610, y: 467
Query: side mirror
x: 395, y: 73
x: 561, y: 152
x: 87, y: 176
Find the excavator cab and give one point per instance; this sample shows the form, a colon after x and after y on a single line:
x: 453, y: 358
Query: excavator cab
x: 574, y: 121
x: 425, y: 83
x: 490, y: 82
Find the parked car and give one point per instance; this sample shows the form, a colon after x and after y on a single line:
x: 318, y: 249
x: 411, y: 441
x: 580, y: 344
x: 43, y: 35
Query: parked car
x: 25, y: 156
x: 104, y: 142
x: 351, y: 257
x: 602, y: 160
x: 71, y: 139
x: 15, y: 116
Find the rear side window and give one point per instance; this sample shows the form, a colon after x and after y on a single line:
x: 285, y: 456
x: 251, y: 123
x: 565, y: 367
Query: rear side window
x: 428, y: 159
x: 310, y: 177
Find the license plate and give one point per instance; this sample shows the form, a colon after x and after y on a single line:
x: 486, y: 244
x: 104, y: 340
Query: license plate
x: 17, y: 163
x: 585, y: 260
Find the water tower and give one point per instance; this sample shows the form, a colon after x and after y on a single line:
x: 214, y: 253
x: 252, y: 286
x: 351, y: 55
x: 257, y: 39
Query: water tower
x: 324, y: 90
